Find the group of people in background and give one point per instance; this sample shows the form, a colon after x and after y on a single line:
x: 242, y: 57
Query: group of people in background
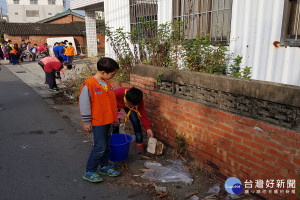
x: 60, y: 49
x: 16, y: 54
x: 54, y: 65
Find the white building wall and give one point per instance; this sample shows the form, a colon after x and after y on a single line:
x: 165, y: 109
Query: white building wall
x: 91, y: 37
x: 255, y: 25
x: 79, y: 4
x: 17, y: 12
x: 116, y: 15
x: 164, y: 11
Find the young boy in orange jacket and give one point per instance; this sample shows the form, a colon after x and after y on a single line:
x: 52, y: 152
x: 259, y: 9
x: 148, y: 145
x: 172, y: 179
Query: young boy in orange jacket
x: 98, y: 109
x: 70, y: 52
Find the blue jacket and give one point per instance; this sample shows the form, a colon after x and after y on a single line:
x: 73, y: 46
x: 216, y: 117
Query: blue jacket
x: 58, y: 50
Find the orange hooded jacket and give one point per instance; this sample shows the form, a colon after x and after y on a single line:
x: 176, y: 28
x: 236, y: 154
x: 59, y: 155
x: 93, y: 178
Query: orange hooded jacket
x: 103, y: 104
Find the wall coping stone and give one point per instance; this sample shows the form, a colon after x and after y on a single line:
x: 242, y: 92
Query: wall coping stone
x: 269, y: 91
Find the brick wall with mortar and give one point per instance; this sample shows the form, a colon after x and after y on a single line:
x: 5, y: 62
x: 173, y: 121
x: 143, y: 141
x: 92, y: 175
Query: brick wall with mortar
x: 238, y: 128
x: 66, y: 19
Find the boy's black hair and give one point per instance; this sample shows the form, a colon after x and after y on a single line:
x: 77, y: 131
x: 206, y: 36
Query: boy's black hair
x: 134, y: 96
x: 70, y: 43
x: 66, y: 63
x: 107, y: 65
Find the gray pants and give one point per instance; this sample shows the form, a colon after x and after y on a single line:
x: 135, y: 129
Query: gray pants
x: 33, y: 56
x: 70, y: 59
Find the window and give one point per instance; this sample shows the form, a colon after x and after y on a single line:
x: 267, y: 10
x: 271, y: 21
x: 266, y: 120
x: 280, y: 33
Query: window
x: 203, y: 17
x: 25, y: 37
x: 290, y: 34
x: 146, y: 9
x: 16, y: 13
x: 32, y: 13
x: 33, y: 2
x: 51, y: 2
x: 49, y: 13
x: 16, y: 1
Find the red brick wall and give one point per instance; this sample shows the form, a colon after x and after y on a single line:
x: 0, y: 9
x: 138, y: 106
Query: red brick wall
x: 39, y: 40
x: 224, y: 142
x: 101, y: 39
x: 66, y: 19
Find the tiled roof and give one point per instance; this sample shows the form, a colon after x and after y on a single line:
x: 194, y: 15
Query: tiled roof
x: 74, y: 28
x: 59, y: 15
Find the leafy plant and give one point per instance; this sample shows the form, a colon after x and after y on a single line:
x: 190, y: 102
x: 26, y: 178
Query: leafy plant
x: 154, y: 42
x: 164, y: 46
x: 119, y: 42
x: 159, y: 77
x: 100, y: 24
x: 235, y: 69
x: 182, y: 143
x: 199, y: 54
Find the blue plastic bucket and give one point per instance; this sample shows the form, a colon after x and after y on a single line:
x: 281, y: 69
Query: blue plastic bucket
x: 119, y: 147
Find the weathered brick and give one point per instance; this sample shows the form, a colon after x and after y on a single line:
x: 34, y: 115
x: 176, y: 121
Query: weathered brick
x: 216, y: 118
x: 269, y: 127
x: 243, y: 134
x: 224, y: 128
x: 264, y: 156
x: 283, y: 140
x: 290, y: 134
x: 226, y: 115
x: 276, y: 153
x: 218, y: 135
x: 287, y: 165
x: 243, y: 127
x: 254, y: 145
x: 244, y: 120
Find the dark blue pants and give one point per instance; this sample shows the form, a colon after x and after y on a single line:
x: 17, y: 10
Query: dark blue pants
x: 13, y: 59
x: 50, y: 79
x: 133, y: 117
x: 101, y: 148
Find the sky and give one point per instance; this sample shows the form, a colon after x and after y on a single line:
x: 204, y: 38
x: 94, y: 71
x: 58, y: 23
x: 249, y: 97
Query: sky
x: 4, y: 7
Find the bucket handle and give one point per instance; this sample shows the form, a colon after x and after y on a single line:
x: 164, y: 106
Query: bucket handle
x: 125, y: 138
x: 124, y: 133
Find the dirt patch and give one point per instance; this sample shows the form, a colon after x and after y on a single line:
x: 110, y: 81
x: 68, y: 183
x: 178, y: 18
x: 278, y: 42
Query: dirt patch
x: 61, y: 98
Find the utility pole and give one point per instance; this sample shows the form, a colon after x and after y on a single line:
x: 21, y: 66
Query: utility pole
x: 1, y: 17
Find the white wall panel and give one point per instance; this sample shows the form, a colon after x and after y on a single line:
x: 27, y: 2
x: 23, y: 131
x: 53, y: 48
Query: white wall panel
x: 116, y: 15
x: 164, y: 12
x: 255, y: 25
x: 80, y: 4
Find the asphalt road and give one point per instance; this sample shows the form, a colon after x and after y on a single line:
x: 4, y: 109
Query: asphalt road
x: 41, y: 155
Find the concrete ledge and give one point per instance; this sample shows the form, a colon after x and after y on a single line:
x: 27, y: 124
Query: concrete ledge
x: 274, y: 92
